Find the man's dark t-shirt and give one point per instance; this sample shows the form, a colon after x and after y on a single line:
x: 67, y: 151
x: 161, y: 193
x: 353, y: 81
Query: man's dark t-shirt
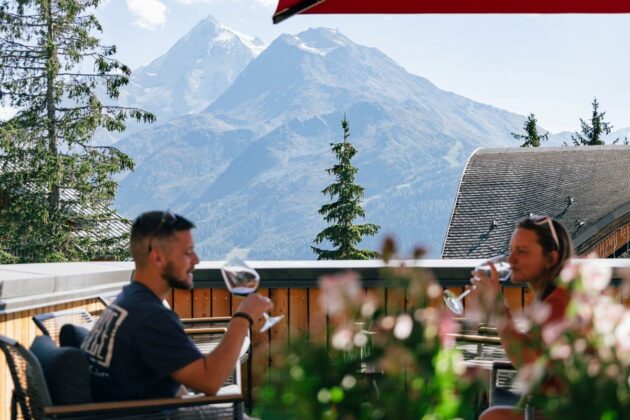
x: 134, y: 347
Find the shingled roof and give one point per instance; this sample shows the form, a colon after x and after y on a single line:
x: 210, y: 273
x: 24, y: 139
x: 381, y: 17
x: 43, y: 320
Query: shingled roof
x: 585, y: 188
x: 112, y: 229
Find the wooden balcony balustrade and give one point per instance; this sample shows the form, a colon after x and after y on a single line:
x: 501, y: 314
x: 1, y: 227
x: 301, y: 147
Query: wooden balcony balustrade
x: 26, y: 290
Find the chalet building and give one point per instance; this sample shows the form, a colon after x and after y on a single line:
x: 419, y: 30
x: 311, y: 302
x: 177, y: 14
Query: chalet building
x: 585, y: 188
x: 115, y: 229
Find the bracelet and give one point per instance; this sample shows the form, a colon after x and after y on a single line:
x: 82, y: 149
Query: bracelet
x: 244, y: 316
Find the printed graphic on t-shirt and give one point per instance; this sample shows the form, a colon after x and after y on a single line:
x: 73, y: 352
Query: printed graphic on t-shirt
x: 99, y: 344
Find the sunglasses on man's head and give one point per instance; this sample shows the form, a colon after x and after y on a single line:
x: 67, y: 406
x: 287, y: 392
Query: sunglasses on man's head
x: 168, y: 219
x: 547, y: 221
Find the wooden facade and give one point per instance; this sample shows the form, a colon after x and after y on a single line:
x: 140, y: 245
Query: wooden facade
x: 303, y: 314
x: 617, y: 243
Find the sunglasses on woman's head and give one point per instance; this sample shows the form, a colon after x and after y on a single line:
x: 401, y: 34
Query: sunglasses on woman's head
x: 168, y: 219
x: 547, y: 221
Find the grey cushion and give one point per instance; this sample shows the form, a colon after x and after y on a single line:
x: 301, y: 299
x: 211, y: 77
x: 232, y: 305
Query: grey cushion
x: 72, y: 335
x: 65, y: 370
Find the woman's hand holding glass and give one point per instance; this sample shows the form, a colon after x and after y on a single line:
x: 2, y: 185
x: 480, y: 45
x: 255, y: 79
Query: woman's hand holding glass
x: 488, y: 283
x: 487, y: 275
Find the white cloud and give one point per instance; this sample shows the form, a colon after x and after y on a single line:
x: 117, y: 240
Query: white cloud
x: 265, y: 3
x: 187, y: 2
x: 149, y: 14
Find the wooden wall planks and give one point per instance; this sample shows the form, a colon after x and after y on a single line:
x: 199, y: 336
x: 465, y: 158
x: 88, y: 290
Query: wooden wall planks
x: 20, y: 327
x: 303, y: 315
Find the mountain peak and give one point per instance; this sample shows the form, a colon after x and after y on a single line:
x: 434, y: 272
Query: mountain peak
x: 193, y: 72
x: 324, y: 36
x: 215, y: 33
x: 319, y: 41
x: 209, y: 20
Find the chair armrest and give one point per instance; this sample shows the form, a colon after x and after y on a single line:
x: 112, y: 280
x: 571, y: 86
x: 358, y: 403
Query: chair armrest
x: 485, y: 330
x: 210, y: 319
x: 477, y: 339
x: 199, y: 331
x: 140, y: 405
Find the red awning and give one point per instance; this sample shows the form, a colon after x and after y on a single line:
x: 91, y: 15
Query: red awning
x: 288, y: 8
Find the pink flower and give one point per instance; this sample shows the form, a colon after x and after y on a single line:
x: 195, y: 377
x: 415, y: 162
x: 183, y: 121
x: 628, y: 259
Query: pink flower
x: 369, y: 307
x: 446, y: 328
x: 340, y: 290
x: 553, y: 331
x: 404, y: 326
x: 593, y: 367
x: 569, y: 272
x: 622, y: 335
x: 388, y: 323
x: 342, y: 339
x: 595, y: 277
x: 538, y: 312
x: 607, y: 315
x: 529, y: 375
x: 560, y: 352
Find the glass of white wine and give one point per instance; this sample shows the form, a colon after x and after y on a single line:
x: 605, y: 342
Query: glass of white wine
x: 456, y: 303
x: 241, y: 280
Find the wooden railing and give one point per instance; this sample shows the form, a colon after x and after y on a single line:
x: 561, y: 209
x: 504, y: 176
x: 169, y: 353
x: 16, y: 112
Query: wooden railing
x: 292, y: 286
x: 303, y: 314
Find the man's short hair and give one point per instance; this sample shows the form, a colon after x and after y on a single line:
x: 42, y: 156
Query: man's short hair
x: 153, y: 225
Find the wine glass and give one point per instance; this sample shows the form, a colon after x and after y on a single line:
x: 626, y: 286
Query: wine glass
x: 456, y: 303
x: 242, y: 280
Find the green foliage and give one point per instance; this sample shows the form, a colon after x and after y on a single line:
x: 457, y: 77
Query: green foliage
x: 343, y: 234
x: 58, y: 185
x: 6, y: 258
x: 382, y: 362
x: 531, y: 138
x: 591, y: 134
x: 584, y: 368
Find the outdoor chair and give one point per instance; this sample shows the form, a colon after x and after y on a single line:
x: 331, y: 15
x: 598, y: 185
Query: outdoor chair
x: 32, y: 381
x: 502, y: 389
x: 108, y: 298
x: 208, y: 332
x: 50, y: 323
x: 206, y: 340
x: 480, y: 350
x: 208, y: 343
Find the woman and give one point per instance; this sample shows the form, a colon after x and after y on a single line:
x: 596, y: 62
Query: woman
x: 539, y: 248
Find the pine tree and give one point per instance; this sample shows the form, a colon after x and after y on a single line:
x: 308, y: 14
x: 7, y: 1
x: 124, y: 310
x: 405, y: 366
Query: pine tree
x: 57, y: 185
x: 343, y: 234
x: 592, y: 134
x: 532, y: 138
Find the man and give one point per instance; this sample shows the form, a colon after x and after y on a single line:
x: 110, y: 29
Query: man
x: 138, y: 348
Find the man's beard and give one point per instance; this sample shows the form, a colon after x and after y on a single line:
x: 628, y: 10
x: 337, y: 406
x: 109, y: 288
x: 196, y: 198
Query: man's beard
x: 173, y: 281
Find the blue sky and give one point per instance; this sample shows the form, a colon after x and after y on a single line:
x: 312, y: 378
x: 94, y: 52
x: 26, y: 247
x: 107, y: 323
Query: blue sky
x: 551, y: 65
